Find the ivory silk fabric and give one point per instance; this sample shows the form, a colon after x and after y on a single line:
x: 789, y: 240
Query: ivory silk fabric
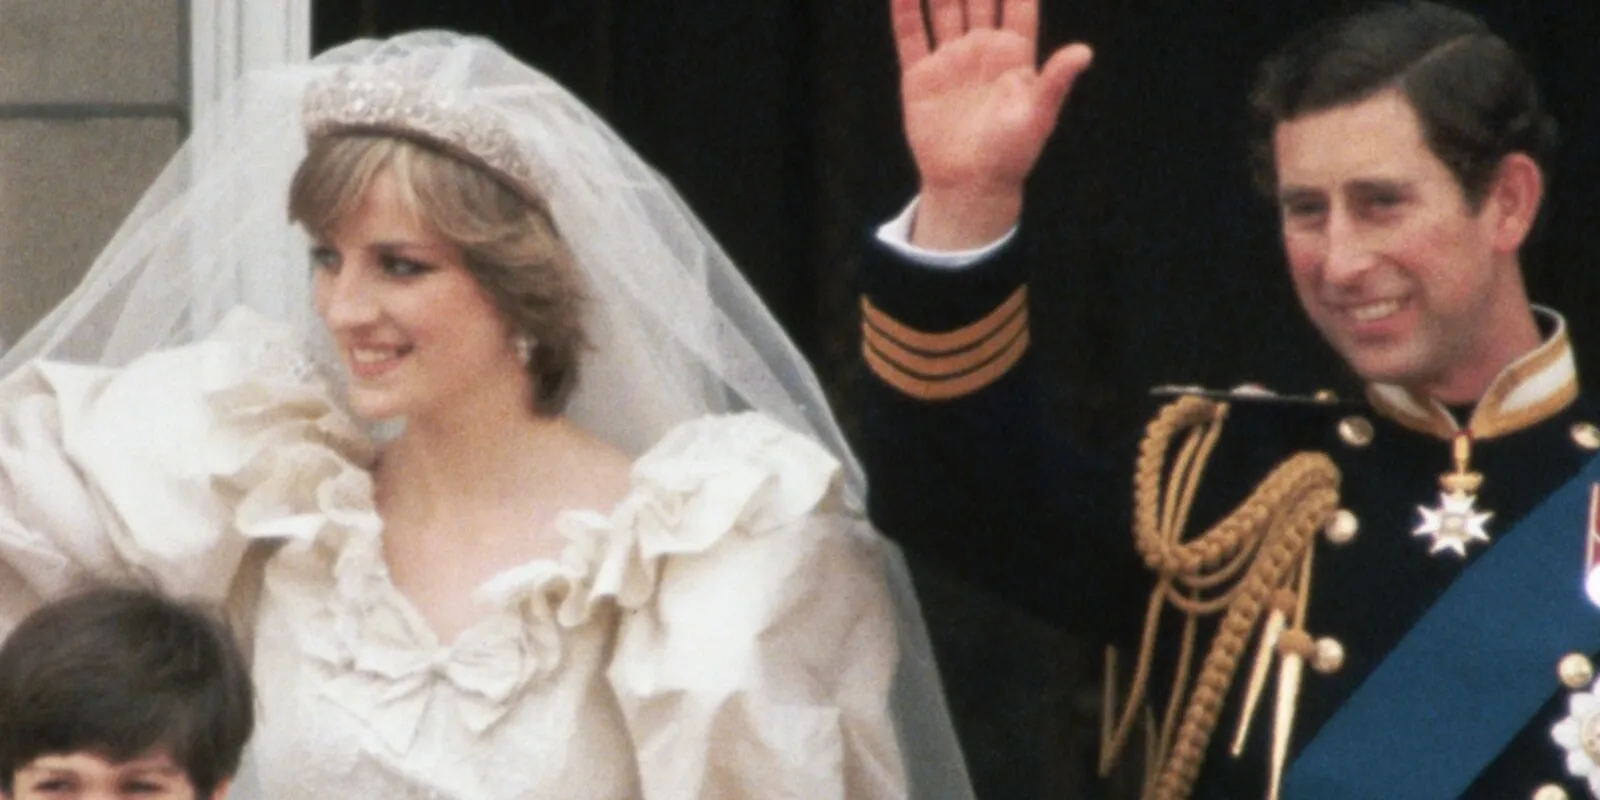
x: 723, y: 632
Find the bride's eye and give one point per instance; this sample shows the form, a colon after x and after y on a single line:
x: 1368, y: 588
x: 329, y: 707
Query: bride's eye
x: 403, y: 268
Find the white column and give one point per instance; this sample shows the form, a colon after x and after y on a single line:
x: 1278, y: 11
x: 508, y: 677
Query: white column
x: 229, y: 37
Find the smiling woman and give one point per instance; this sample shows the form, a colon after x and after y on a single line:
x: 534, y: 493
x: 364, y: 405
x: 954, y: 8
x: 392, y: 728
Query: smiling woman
x: 410, y: 322
x: 421, y: 230
x: 617, y: 531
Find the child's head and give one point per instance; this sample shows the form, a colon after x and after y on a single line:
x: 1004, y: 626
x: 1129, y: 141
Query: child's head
x: 123, y: 687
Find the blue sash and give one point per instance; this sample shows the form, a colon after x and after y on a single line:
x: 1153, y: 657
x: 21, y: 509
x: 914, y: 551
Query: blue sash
x: 1472, y: 672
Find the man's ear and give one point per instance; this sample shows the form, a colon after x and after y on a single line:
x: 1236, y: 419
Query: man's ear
x: 218, y: 794
x: 1512, y: 203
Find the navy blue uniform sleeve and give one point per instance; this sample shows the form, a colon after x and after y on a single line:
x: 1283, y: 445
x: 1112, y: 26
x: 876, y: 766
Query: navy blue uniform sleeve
x: 962, y: 469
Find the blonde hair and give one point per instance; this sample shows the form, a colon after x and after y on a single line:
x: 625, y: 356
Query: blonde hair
x: 508, y: 239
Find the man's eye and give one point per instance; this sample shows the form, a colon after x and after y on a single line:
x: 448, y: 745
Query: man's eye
x: 1302, y: 210
x: 1379, y: 199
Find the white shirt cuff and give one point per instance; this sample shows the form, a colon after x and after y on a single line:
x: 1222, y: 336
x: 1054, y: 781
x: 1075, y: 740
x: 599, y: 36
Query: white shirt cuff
x: 896, y: 235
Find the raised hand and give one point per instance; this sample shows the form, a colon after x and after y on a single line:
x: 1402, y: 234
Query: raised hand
x: 977, y: 111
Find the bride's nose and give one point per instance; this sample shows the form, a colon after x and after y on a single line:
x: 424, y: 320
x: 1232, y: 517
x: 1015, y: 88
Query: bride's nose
x: 345, y: 298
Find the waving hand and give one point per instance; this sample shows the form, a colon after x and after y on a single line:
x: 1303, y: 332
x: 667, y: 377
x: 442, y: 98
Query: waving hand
x: 977, y: 110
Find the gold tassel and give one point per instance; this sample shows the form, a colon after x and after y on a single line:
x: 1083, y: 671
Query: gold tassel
x: 1265, y: 653
x: 1283, y: 715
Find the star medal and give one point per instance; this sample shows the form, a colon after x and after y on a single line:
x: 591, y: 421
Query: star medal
x: 1455, y: 522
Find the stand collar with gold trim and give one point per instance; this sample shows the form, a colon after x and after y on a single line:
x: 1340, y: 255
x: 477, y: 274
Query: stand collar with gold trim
x: 1530, y: 390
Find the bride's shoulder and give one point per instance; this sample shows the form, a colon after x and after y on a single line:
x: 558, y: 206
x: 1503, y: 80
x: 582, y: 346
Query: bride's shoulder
x: 747, y: 461
x: 751, y: 436
x: 721, y: 489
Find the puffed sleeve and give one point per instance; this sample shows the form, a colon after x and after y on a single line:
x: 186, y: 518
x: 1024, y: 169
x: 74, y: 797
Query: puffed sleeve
x: 757, y: 649
x: 137, y: 473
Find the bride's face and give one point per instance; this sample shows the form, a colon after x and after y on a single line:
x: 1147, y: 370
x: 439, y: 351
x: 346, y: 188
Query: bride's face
x: 414, y: 330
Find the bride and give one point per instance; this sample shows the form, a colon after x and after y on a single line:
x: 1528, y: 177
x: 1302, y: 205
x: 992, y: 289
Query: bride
x: 515, y: 489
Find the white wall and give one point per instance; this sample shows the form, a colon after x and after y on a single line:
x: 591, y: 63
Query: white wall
x: 95, y: 97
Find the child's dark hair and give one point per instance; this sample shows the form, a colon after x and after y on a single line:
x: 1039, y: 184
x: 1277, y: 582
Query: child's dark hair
x: 119, y: 671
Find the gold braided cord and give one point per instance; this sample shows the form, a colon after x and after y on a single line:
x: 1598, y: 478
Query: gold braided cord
x: 1169, y: 726
x: 1232, y: 569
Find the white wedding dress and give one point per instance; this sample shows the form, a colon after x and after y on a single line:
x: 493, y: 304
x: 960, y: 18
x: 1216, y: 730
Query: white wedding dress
x: 722, y: 633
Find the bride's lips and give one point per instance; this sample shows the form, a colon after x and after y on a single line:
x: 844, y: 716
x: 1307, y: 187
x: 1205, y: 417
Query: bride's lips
x: 368, y: 361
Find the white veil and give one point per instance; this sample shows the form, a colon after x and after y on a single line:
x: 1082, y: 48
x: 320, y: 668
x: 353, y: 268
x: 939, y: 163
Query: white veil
x: 677, y: 330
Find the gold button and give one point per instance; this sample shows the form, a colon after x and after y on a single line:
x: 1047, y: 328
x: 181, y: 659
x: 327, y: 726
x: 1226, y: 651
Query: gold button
x: 1356, y: 431
x: 1576, y: 671
x: 1342, y: 527
x: 1550, y: 791
x: 1586, y: 435
x: 1325, y: 396
x: 1327, y: 656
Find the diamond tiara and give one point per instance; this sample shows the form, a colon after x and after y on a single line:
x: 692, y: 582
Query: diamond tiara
x: 347, y: 102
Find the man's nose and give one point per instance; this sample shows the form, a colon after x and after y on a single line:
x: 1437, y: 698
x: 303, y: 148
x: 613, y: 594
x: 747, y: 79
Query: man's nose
x: 1349, y: 253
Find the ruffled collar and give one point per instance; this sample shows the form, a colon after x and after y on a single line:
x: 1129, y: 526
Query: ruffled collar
x: 297, y: 467
x: 385, y: 662
x: 705, y: 480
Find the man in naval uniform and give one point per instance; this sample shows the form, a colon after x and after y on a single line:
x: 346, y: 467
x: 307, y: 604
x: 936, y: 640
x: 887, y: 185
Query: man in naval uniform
x: 1322, y: 599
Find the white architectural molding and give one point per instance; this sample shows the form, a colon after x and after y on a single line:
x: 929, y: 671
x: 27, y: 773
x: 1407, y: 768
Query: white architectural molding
x: 230, y: 37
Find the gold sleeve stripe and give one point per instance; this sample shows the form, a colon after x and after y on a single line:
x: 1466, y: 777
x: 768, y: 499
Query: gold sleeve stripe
x: 935, y: 344
x: 951, y: 386
x: 944, y: 366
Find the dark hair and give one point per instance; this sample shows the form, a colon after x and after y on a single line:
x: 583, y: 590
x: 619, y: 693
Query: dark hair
x: 1475, y: 99
x: 119, y: 671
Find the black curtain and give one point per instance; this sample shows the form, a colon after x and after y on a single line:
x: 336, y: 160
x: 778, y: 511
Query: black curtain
x: 1157, y: 262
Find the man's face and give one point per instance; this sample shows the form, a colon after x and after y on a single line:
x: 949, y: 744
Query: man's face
x: 1388, y: 259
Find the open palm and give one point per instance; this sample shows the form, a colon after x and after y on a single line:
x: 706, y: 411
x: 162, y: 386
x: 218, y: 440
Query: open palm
x: 977, y: 109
